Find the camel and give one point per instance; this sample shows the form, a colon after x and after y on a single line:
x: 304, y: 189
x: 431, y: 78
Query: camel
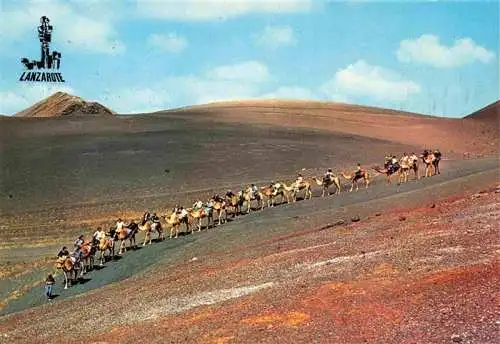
x: 198, y: 212
x: 249, y: 196
x: 148, y: 225
x: 414, y: 165
x: 326, y: 183
x: 68, y: 267
x: 391, y: 166
x: 87, y: 260
x: 354, y: 179
x: 279, y: 190
x: 270, y: 193
x: 431, y: 160
x: 105, y: 245
x: 219, y: 206
x: 174, y: 223
x: 294, y: 189
x: 235, y: 202
x: 124, y: 234
x: 404, y: 170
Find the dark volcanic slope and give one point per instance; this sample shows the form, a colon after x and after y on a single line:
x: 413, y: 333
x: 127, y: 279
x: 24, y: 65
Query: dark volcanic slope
x: 58, y: 167
x: 449, y: 134
x: 489, y: 114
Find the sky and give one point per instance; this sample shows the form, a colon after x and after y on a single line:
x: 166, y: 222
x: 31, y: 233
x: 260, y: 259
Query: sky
x: 431, y: 57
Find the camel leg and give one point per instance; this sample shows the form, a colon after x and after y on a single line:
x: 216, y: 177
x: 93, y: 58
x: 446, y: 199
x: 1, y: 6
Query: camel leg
x: 65, y: 279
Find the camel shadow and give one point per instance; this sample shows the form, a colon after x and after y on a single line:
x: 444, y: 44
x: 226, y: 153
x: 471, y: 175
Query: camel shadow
x: 115, y: 258
x: 83, y: 280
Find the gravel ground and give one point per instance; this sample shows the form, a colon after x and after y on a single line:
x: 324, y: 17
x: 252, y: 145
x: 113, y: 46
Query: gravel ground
x: 294, y: 274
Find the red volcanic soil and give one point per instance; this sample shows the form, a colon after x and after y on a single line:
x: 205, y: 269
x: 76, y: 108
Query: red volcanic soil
x: 450, y: 135
x: 428, y: 274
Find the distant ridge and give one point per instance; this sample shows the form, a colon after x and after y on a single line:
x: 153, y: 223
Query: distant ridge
x: 490, y: 113
x: 63, y: 104
x: 291, y: 105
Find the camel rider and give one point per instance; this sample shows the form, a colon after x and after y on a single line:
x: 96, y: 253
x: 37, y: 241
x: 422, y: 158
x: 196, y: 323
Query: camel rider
x: 198, y: 204
x: 358, y: 172
x: 79, y: 242
x: 98, y: 235
x: 133, y: 226
x: 183, y: 214
x: 255, y: 190
x: 112, y: 233
x: 437, y: 154
x: 120, y: 225
x: 63, y: 252
x: 94, y: 236
x: 298, y: 181
x: 328, y: 175
x: 404, y: 159
x: 155, y: 218
x: 394, y: 160
x: 413, y: 158
x: 78, y: 254
x: 230, y: 194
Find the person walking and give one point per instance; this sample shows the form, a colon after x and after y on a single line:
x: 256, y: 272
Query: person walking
x: 49, y: 285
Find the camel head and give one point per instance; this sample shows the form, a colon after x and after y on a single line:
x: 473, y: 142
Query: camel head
x: 346, y: 176
x: 318, y: 181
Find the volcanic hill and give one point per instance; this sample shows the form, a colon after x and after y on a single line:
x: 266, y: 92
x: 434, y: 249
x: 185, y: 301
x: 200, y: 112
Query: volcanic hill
x: 62, y: 104
x: 490, y: 114
x: 449, y: 134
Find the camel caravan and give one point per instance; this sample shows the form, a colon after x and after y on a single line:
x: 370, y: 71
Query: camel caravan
x: 215, y: 210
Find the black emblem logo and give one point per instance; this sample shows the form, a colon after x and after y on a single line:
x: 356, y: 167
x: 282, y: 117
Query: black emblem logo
x: 48, y: 60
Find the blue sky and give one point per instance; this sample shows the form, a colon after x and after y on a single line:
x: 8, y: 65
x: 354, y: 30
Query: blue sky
x: 431, y: 57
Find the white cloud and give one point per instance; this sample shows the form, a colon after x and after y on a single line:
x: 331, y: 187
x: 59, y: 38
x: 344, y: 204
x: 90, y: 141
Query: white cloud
x: 25, y: 95
x: 170, y: 42
x: 75, y: 27
x: 228, y: 82
x: 205, y: 10
x: 362, y: 79
x: 275, y: 36
x: 428, y: 50
x: 249, y: 71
